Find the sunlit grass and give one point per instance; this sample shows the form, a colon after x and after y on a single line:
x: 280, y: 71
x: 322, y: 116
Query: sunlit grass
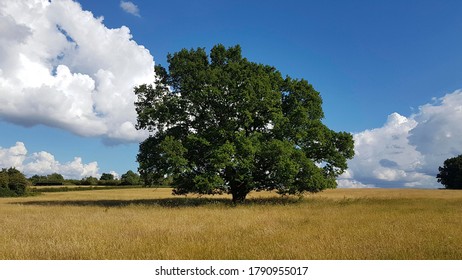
x: 152, y: 224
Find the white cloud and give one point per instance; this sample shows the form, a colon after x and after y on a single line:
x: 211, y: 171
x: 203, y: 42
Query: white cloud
x: 346, y: 181
x: 115, y: 174
x: 62, y: 67
x: 13, y: 156
x: 130, y: 8
x: 406, y: 151
x: 438, y: 134
x: 44, y: 163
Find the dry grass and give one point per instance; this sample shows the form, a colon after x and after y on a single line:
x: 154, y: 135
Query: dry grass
x: 151, y: 224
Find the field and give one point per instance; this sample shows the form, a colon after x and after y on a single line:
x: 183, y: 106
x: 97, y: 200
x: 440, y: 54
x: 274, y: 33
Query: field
x: 152, y: 224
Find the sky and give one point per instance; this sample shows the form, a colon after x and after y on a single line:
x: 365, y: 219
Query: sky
x: 389, y: 72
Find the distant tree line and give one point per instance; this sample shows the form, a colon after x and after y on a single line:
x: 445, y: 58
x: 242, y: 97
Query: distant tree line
x: 54, y: 179
x: 106, y: 179
x: 14, y: 183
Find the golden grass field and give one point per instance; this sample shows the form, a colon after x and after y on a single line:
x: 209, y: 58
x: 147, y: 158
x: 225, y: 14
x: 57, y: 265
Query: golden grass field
x: 149, y: 223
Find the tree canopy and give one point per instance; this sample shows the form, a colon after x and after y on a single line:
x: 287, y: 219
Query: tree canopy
x: 130, y: 178
x: 12, y: 182
x: 106, y: 177
x: 223, y: 124
x: 450, y: 174
x: 48, y: 180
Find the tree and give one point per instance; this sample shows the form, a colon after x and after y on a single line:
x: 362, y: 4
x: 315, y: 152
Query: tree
x: 222, y: 124
x: 37, y: 179
x: 106, y: 177
x: 4, y: 179
x: 130, y: 178
x: 89, y: 181
x: 450, y: 175
x: 12, y: 182
x: 55, y: 178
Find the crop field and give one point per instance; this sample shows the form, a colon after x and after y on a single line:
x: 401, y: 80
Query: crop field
x: 146, y: 223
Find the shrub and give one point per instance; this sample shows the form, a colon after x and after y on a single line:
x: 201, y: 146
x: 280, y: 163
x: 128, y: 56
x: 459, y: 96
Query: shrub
x: 54, y: 179
x: 89, y: 181
x: 112, y: 182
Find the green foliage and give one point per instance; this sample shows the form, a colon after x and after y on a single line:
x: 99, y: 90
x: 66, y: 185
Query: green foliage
x: 106, y: 176
x: 114, y: 182
x: 72, y: 182
x: 108, y: 179
x: 5, y: 192
x: 12, y: 183
x: 450, y: 175
x: 89, y: 181
x: 224, y: 124
x: 55, y: 177
x: 130, y: 178
x: 79, y: 188
x: 48, y: 180
x: 4, y: 179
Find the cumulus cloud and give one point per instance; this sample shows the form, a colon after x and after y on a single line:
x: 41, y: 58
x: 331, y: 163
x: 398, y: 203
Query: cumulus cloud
x: 346, y: 180
x: 406, y: 151
x: 130, y: 8
x: 438, y: 134
x: 62, y: 67
x: 13, y: 156
x: 44, y: 163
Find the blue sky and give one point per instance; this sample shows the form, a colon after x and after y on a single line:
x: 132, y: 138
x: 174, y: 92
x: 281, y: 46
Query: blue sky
x: 369, y: 60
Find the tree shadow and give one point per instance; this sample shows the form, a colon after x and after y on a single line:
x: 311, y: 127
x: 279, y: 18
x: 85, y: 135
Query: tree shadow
x: 178, y: 202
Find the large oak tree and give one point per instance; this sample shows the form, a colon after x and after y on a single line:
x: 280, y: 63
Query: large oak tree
x: 223, y: 124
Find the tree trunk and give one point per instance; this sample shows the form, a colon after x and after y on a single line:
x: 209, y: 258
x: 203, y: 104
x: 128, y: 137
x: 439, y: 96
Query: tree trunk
x: 239, y: 192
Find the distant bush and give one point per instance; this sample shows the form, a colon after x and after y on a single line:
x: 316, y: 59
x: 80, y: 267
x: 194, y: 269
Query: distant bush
x: 89, y: 181
x: 12, y: 183
x: 54, y: 179
x: 72, y: 182
x: 112, y: 182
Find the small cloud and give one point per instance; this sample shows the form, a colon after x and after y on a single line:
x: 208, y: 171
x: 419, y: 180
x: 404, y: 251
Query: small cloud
x: 130, y: 8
